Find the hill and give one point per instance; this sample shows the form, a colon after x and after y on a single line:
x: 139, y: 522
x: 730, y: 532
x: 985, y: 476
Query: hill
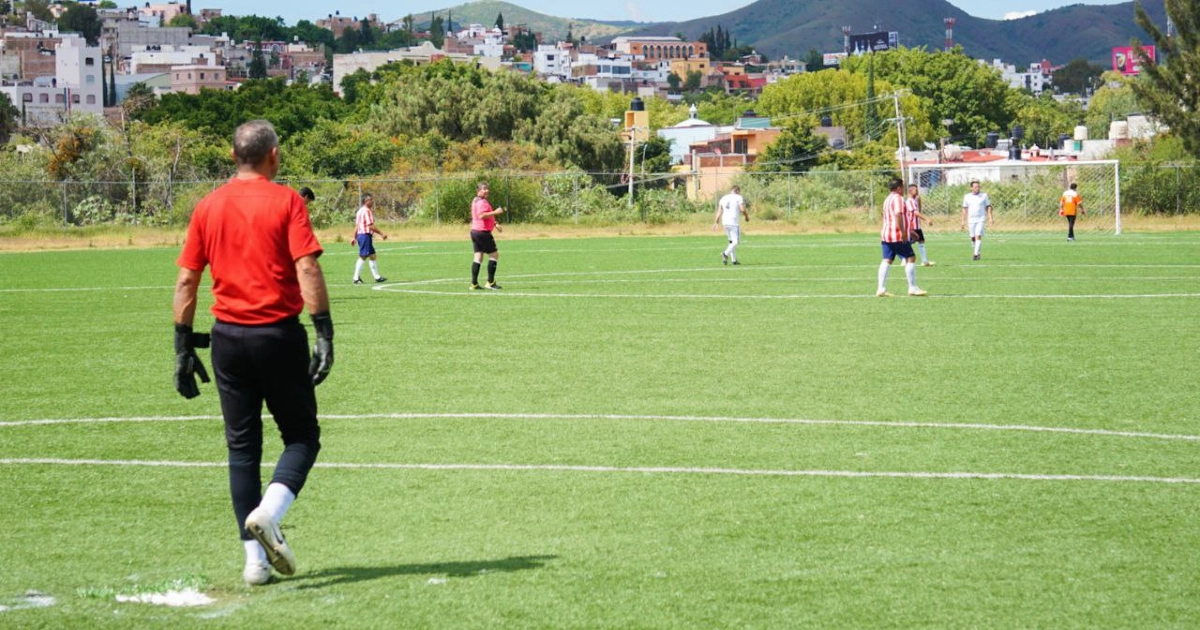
x: 552, y: 28
x: 792, y: 27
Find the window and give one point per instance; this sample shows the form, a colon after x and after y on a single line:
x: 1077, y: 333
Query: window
x: 27, y: 98
x: 741, y: 145
x: 91, y: 99
x: 58, y: 98
x: 75, y: 99
x: 90, y: 79
x: 201, y: 76
x: 89, y: 61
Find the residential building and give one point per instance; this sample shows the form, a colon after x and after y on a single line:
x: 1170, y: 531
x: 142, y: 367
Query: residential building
x: 191, y: 79
x: 75, y: 87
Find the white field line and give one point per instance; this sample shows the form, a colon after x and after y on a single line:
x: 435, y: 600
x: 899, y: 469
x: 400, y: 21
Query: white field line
x: 795, y: 296
x: 668, y: 418
x: 662, y: 470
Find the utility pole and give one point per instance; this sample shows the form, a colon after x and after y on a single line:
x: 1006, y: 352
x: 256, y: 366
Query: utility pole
x: 632, y: 143
x: 901, y: 140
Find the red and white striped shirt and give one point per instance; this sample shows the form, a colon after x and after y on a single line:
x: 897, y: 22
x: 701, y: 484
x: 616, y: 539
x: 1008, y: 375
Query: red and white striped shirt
x: 364, y: 219
x: 912, y: 205
x: 895, y: 229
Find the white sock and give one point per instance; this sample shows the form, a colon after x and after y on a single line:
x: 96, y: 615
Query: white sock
x: 374, y: 269
x: 910, y: 272
x: 883, y: 274
x: 254, y: 551
x: 358, y: 269
x: 276, y: 501
x: 733, y: 253
x: 924, y: 259
x: 978, y: 242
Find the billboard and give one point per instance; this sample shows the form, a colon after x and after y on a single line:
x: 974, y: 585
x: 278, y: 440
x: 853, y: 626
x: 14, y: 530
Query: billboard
x: 832, y: 59
x: 869, y: 42
x: 1126, y: 62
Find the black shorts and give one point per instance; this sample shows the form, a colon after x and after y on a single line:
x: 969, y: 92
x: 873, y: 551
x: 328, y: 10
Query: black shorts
x: 483, y: 241
x: 920, y: 236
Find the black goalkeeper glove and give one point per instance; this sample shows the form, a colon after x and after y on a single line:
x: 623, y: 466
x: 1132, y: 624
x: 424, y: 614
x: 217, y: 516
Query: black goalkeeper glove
x: 322, y: 352
x: 187, y: 364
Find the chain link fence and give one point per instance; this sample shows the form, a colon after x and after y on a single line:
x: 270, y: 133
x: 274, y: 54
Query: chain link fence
x: 1029, y: 198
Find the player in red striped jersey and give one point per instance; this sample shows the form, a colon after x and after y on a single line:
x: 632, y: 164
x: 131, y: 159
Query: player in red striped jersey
x: 895, y: 239
x: 913, y: 212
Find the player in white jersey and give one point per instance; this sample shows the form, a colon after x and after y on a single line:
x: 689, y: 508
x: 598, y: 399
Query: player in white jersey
x: 976, y: 209
x: 728, y: 210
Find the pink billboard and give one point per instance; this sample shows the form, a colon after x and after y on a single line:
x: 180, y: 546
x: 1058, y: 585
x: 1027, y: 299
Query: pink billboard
x: 1126, y: 62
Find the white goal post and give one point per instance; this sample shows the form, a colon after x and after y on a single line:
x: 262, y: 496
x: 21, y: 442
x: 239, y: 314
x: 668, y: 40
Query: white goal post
x: 1024, y: 193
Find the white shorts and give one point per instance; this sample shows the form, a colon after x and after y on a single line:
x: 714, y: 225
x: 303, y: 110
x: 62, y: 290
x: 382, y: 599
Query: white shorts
x: 733, y: 233
x: 975, y: 228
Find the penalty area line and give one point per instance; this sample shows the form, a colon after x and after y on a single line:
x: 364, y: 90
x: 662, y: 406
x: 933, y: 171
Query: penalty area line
x: 646, y: 470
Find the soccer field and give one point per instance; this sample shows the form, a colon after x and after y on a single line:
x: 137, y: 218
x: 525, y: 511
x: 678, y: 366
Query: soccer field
x: 632, y: 435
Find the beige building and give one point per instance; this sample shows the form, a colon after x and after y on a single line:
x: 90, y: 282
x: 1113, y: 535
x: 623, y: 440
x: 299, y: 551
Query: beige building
x: 192, y: 79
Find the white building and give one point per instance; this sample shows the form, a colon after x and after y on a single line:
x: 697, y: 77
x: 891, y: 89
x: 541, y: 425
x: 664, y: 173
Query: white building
x: 553, y: 60
x: 76, y: 87
x: 687, y: 133
x: 1035, y: 79
x: 167, y: 55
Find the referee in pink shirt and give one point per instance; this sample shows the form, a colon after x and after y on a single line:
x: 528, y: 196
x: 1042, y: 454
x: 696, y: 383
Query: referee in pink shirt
x: 483, y: 221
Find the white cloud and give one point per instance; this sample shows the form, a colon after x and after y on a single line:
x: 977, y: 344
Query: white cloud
x: 634, y: 12
x: 1016, y: 15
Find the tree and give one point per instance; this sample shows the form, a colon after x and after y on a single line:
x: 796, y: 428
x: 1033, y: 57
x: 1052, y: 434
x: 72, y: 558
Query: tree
x: 366, y: 33
x: 796, y: 150
x: 139, y: 99
x: 1169, y: 90
x: 184, y: 20
x: 82, y: 19
x: 673, y: 81
x: 692, y: 82
x: 950, y: 85
x: 871, y: 118
x: 10, y: 116
x: 437, y: 31
x: 40, y: 9
x: 1115, y: 100
x: 1044, y: 118
x: 814, y: 61
x: 258, y: 63
x: 500, y: 21
x: 1077, y: 77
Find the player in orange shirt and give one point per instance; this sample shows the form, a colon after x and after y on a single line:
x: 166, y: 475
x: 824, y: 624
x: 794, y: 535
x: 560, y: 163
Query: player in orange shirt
x: 1070, y: 204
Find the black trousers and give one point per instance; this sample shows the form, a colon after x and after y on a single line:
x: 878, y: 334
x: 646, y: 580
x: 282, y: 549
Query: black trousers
x: 1070, y: 226
x: 253, y: 365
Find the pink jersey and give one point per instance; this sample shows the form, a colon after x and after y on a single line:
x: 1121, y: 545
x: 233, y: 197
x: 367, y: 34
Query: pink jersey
x: 478, y: 222
x: 364, y: 220
x: 895, y: 229
x: 912, y: 205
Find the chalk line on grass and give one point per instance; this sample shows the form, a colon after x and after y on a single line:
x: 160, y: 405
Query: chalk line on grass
x: 664, y: 470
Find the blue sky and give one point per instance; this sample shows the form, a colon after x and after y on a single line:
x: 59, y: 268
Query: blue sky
x: 639, y: 10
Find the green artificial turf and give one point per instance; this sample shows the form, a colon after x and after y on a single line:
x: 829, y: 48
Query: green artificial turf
x: 632, y: 435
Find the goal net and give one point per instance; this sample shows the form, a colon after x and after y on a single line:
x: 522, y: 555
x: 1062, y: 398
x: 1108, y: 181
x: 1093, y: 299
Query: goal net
x: 1024, y: 194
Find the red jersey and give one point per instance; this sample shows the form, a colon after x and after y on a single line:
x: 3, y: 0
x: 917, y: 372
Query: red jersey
x: 478, y: 207
x: 895, y: 229
x: 250, y: 233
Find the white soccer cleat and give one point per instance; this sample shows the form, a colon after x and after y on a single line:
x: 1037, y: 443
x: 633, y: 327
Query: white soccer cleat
x: 882, y: 294
x: 256, y: 573
x: 266, y: 531
x: 917, y: 292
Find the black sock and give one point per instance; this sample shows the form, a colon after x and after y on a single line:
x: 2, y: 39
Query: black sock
x: 491, y: 272
x: 474, y: 273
